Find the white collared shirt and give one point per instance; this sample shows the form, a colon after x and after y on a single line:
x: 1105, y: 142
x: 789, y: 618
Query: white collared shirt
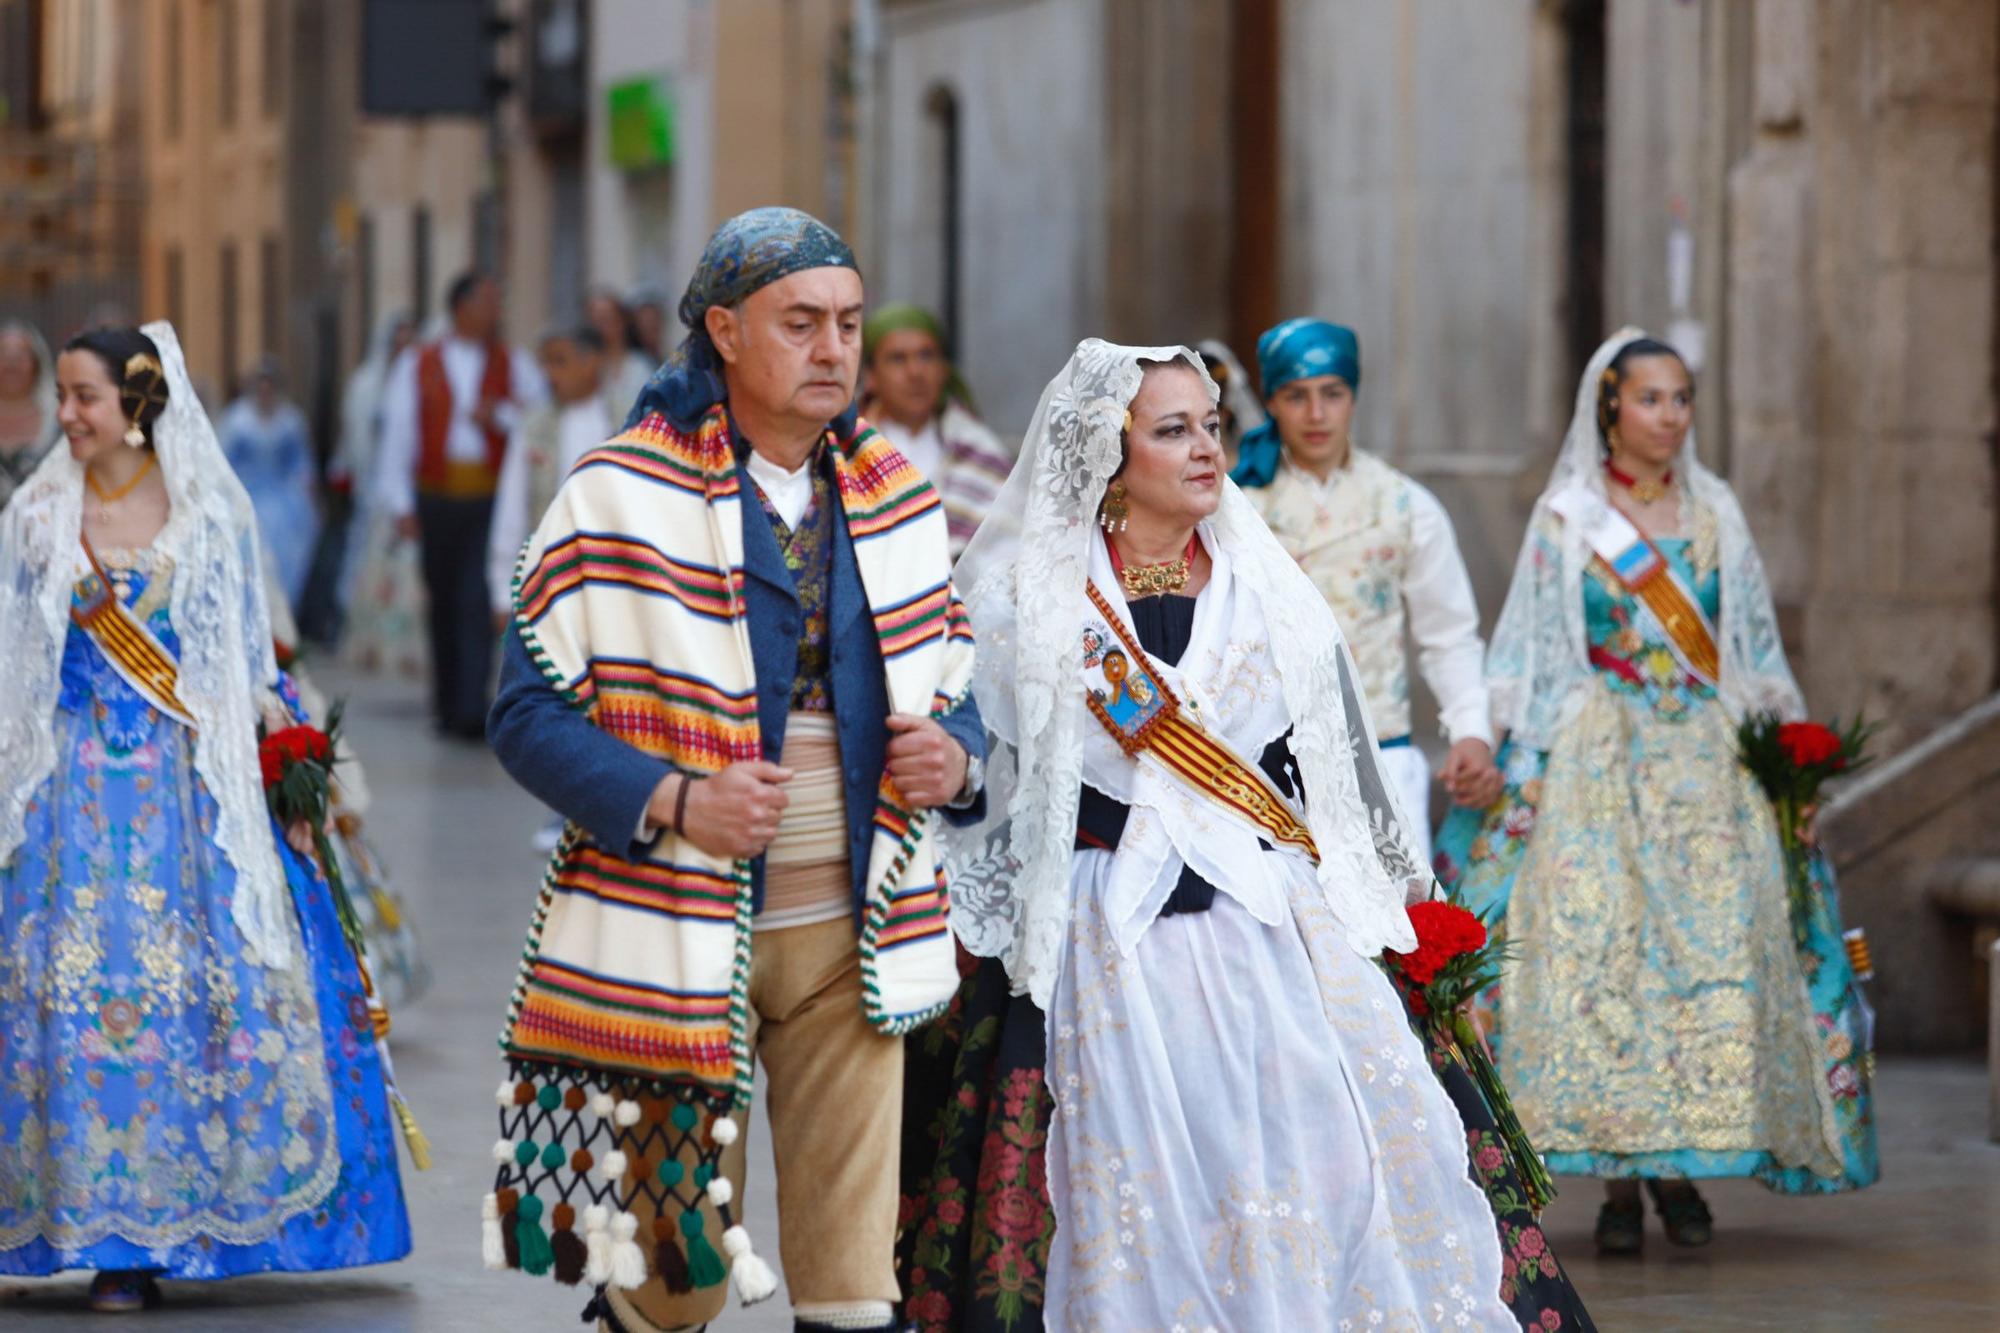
x: 790, y: 493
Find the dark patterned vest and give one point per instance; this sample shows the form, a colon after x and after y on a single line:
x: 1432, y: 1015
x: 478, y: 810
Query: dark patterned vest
x: 808, y: 551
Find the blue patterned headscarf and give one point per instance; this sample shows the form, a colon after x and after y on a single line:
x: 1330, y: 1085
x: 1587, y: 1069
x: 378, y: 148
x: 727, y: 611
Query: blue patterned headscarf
x: 746, y: 254
x: 1294, y: 350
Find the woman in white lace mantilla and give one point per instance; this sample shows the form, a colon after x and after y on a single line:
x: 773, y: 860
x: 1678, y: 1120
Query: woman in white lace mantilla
x: 1245, y: 1132
x: 189, y: 1085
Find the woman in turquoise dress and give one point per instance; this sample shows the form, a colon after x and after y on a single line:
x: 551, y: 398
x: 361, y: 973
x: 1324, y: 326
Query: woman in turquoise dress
x: 189, y: 1081
x: 1659, y: 1021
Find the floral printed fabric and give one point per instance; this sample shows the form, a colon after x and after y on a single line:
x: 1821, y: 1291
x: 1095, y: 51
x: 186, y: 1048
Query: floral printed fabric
x: 976, y: 1221
x: 1648, y: 863
x: 1355, y: 543
x: 1532, y: 1284
x: 165, y: 1101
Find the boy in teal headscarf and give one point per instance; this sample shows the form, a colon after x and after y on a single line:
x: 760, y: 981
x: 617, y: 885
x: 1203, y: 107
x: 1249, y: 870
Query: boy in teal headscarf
x: 1380, y: 548
x: 912, y: 393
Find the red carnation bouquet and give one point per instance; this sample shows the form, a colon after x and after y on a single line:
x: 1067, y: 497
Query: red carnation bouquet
x: 1455, y: 960
x: 1791, y: 761
x: 297, y: 764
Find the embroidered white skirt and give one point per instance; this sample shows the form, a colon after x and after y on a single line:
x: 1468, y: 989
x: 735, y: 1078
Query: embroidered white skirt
x: 1248, y: 1136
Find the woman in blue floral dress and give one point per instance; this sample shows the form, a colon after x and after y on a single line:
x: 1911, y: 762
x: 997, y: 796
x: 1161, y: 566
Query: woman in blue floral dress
x: 1659, y: 1022
x: 189, y: 1084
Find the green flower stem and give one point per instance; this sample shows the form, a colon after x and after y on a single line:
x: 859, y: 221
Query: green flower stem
x: 1458, y: 1031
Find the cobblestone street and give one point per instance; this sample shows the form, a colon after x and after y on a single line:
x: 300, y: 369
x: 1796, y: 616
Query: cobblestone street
x: 1916, y: 1252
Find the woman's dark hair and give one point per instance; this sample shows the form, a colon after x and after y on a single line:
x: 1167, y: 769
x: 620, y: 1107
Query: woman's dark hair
x: 1613, y: 379
x: 132, y: 360
x: 1218, y: 370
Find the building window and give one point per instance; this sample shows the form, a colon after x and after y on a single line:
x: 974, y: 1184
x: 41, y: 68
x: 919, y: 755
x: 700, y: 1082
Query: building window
x: 271, y: 287
x: 942, y: 124
x: 176, y: 293
x: 231, y: 292
x: 171, y: 85
x: 274, y: 58
x: 420, y: 264
x: 226, y: 63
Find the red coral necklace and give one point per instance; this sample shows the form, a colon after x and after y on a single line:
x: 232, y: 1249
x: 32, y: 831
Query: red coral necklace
x: 1645, y: 492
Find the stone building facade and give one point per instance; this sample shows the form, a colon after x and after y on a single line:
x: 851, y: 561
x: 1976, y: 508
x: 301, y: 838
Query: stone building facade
x: 69, y: 162
x: 1800, y: 192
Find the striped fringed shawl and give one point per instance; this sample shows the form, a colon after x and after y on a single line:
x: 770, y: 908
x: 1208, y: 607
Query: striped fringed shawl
x: 629, y: 597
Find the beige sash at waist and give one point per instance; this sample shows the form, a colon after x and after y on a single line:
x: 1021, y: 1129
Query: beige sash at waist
x: 806, y: 874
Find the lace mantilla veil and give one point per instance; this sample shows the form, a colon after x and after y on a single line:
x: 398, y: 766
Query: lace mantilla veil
x: 1023, y: 578
x: 1540, y: 653
x: 217, y: 604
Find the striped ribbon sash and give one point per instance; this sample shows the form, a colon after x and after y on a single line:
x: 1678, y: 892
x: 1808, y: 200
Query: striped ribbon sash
x: 132, y: 649
x: 1632, y: 559
x: 1144, y: 715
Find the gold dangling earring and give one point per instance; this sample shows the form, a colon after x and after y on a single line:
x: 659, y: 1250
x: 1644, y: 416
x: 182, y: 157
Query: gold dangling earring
x: 1112, y: 514
x: 135, y: 437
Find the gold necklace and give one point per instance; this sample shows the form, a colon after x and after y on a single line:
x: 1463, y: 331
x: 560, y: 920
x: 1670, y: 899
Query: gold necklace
x: 108, y: 498
x: 1153, y: 580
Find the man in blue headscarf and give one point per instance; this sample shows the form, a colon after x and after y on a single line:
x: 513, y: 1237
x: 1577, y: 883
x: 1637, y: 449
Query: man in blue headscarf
x: 738, y: 668
x: 1380, y: 548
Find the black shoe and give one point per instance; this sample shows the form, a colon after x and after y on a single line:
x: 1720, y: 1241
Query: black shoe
x: 1621, y: 1227
x: 599, y: 1314
x: 1684, y: 1214
x: 123, y: 1292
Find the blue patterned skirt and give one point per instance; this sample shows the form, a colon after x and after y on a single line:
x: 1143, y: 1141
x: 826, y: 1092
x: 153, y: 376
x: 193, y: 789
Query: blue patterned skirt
x: 167, y: 1103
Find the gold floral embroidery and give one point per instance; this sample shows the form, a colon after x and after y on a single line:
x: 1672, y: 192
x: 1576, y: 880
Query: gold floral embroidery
x: 1267, y: 1233
x: 228, y: 1140
x: 1110, y: 1218
x: 1619, y: 988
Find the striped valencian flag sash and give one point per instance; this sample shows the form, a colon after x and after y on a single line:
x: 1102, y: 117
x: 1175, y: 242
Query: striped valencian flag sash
x: 1145, y: 716
x: 1637, y: 565
x: 134, y: 651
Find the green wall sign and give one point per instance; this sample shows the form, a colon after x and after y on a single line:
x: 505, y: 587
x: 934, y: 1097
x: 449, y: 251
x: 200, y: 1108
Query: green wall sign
x: 641, y: 116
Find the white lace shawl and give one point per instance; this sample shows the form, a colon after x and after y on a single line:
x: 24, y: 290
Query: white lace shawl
x: 218, y: 611
x: 1024, y: 573
x: 1540, y: 653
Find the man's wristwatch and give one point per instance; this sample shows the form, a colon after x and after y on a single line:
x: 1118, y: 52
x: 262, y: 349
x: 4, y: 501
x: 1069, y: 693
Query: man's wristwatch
x: 975, y: 778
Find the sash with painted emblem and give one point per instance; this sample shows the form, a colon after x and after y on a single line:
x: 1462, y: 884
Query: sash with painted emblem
x: 1145, y: 716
